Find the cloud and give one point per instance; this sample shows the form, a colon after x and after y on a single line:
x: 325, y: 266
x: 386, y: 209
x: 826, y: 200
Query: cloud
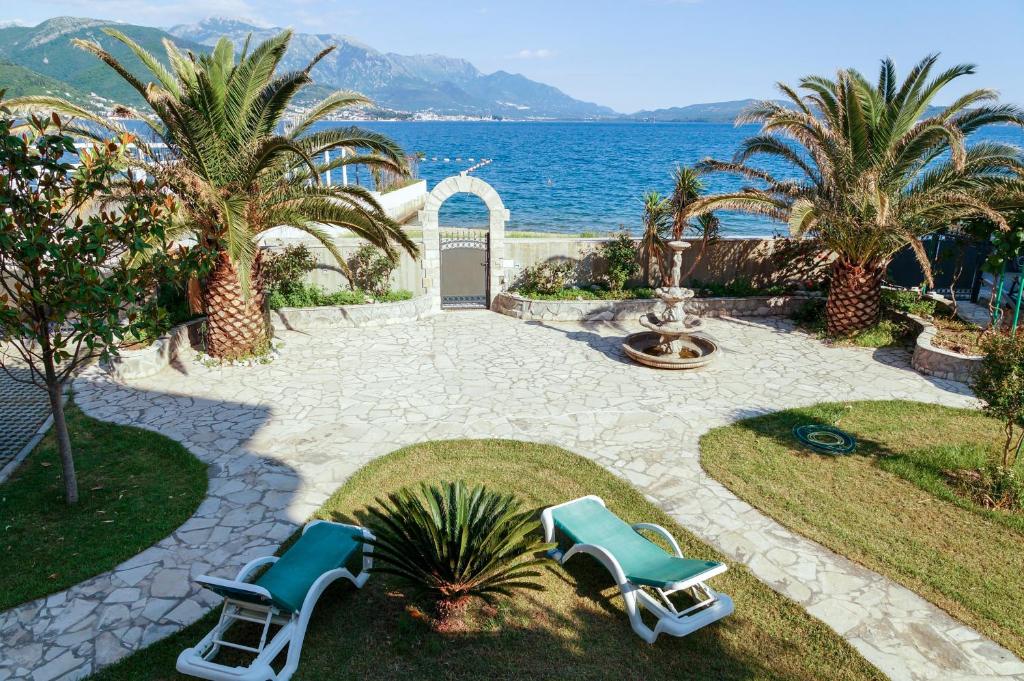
x: 541, y: 53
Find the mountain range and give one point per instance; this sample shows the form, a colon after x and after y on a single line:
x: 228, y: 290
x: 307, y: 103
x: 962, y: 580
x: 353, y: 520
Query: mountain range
x: 410, y: 83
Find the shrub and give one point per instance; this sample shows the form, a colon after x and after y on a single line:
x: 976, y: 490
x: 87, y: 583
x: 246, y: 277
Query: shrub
x: 1000, y: 384
x: 455, y: 542
x: 311, y: 295
x: 547, y: 277
x: 371, y: 270
x: 622, y: 256
x: 908, y: 302
x: 284, y: 271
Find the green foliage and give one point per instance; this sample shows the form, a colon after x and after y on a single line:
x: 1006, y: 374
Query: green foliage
x: 657, y: 222
x: 883, y: 333
x: 454, y: 542
x: 546, y: 278
x: 311, y: 295
x: 999, y: 383
x: 621, y: 256
x: 371, y: 270
x: 285, y: 270
x: 737, y: 288
x: 908, y: 302
x: 594, y: 293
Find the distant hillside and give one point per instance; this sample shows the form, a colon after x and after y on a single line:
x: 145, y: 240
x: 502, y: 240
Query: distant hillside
x: 47, y: 50
x: 425, y: 82
x: 714, y: 112
x: 19, y: 81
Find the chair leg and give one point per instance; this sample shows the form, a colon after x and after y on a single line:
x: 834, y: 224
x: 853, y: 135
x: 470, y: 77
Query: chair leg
x: 633, y: 607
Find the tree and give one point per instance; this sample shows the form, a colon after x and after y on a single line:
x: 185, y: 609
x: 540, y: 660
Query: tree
x: 76, y: 277
x: 656, y: 218
x: 687, y: 187
x: 878, y: 167
x: 999, y: 383
x: 237, y: 175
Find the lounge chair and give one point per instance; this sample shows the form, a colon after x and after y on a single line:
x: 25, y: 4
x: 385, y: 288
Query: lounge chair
x: 284, y: 596
x: 638, y: 564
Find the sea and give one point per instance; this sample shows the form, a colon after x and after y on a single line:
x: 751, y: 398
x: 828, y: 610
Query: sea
x: 581, y: 177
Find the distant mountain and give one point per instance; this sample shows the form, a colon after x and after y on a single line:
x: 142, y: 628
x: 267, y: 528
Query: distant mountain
x: 425, y: 82
x: 712, y: 112
x: 46, y: 49
x: 18, y: 81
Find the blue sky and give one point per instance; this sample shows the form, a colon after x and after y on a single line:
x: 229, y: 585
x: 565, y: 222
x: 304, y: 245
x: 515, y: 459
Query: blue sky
x: 638, y: 54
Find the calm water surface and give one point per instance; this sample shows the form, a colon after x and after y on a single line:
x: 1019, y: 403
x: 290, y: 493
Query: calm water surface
x: 580, y: 177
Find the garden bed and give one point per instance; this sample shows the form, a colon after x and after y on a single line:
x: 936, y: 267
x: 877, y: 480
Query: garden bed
x: 521, y: 307
x: 134, y: 363
x: 576, y: 623
x: 890, y: 505
x: 349, y: 316
x: 136, y: 488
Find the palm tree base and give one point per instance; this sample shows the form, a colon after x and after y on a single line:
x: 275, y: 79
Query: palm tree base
x: 236, y: 326
x: 854, y: 298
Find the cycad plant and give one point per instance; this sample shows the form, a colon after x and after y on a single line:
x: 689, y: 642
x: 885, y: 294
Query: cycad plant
x: 687, y: 188
x: 656, y: 223
x: 237, y: 172
x: 455, y: 542
x: 876, y: 167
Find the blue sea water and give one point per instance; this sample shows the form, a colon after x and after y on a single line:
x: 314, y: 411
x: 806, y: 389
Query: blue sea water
x: 578, y: 176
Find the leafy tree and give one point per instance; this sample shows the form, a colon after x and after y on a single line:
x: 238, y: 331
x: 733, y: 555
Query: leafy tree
x: 237, y: 175
x: 371, y: 270
x: 656, y: 223
x: 76, y: 276
x: 455, y: 542
x: 1000, y: 384
x: 621, y: 255
x: 876, y: 169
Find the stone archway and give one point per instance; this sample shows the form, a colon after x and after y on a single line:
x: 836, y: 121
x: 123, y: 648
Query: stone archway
x: 431, y: 256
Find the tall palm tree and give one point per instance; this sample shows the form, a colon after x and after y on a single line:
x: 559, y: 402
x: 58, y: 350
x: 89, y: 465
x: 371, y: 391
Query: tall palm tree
x: 876, y: 168
x: 687, y: 188
x: 656, y: 222
x: 237, y: 173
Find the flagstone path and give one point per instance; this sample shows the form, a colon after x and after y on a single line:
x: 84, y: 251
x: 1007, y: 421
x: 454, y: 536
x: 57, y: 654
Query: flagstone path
x: 281, y: 437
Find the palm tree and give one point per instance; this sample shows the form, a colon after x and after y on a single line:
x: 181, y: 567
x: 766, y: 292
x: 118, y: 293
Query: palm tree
x: 237, y: 174
x: 876, y: 168
x: 656, y: 216
x: 687, y: 188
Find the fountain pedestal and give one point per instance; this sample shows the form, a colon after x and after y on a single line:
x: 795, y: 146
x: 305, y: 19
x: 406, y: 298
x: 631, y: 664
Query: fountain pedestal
x: 670, y: 342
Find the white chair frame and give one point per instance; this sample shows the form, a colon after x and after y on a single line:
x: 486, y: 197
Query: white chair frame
x: 198, y: 661
x: 711, y: 606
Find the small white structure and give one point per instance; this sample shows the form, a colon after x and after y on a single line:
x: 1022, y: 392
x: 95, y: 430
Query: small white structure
x: 498, y: 274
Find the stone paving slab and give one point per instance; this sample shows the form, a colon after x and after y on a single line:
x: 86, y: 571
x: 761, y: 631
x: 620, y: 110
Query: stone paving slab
x: 282, y: 437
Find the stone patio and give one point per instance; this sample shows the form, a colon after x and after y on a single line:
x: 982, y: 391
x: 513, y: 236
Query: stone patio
x: 281, y: 437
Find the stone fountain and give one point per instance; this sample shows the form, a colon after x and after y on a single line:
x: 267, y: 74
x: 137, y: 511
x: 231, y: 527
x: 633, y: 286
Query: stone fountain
x: 670, y: 342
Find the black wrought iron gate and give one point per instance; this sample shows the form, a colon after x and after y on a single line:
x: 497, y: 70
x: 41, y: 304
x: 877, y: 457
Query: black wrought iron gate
x: 465, y: 268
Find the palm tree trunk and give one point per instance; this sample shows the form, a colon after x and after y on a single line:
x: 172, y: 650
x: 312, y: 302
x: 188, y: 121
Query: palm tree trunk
x: 854, y: 297
x: 235, y: 322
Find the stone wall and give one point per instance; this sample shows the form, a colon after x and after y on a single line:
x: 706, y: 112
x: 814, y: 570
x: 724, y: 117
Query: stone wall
x: 932, y: 360
x: 134, y: 364
x: 619, y: 310
x: 347, y: 316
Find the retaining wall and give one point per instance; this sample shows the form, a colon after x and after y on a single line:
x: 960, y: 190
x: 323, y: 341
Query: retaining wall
x: 152, y: 359
x: 931, y: 360
x: 348, y: 316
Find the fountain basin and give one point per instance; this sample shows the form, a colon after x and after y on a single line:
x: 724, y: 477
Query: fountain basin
x: 698, y: 351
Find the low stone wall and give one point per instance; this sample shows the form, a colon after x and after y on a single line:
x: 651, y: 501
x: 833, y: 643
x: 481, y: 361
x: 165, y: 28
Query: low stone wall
x: 519, y: 307
x: 349, y: 316
x: 134, y: 364
x: 932, y: 360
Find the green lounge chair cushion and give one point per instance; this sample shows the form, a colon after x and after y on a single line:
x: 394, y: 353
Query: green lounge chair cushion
x: 642, y: 561
x: 322, y: 548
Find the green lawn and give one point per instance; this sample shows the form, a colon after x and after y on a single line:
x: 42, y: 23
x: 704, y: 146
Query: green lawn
x: 888, y: 505
x: 135, y: 488
x: 574, y: 629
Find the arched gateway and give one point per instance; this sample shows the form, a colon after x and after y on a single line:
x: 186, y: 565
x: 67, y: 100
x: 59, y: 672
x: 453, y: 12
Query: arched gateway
x: 495, y: 262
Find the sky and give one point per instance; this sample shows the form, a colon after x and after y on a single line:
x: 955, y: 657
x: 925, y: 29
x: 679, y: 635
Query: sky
x: 635, y: 54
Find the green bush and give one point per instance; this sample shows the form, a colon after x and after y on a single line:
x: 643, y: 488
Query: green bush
x: 371, y: 270
x: 999, y: 383
x: 454, y: 542
x: 622, y: 257
x: 548, y: 277
x: 908, y: 302
x: 285, y: 270
x: 573, y: 293
x: 311, y: 295
x: 738, y: 288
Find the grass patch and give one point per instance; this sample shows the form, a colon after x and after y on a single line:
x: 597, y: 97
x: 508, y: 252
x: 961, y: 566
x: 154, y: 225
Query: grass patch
x: 887, y: 331
x: 135, y: 488
x: 311, y: 295
x: 574, y: 629
x: 888, y: 506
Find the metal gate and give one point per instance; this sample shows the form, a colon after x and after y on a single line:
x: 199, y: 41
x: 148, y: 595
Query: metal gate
x: 951, y: 255
x: 465, y: 263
